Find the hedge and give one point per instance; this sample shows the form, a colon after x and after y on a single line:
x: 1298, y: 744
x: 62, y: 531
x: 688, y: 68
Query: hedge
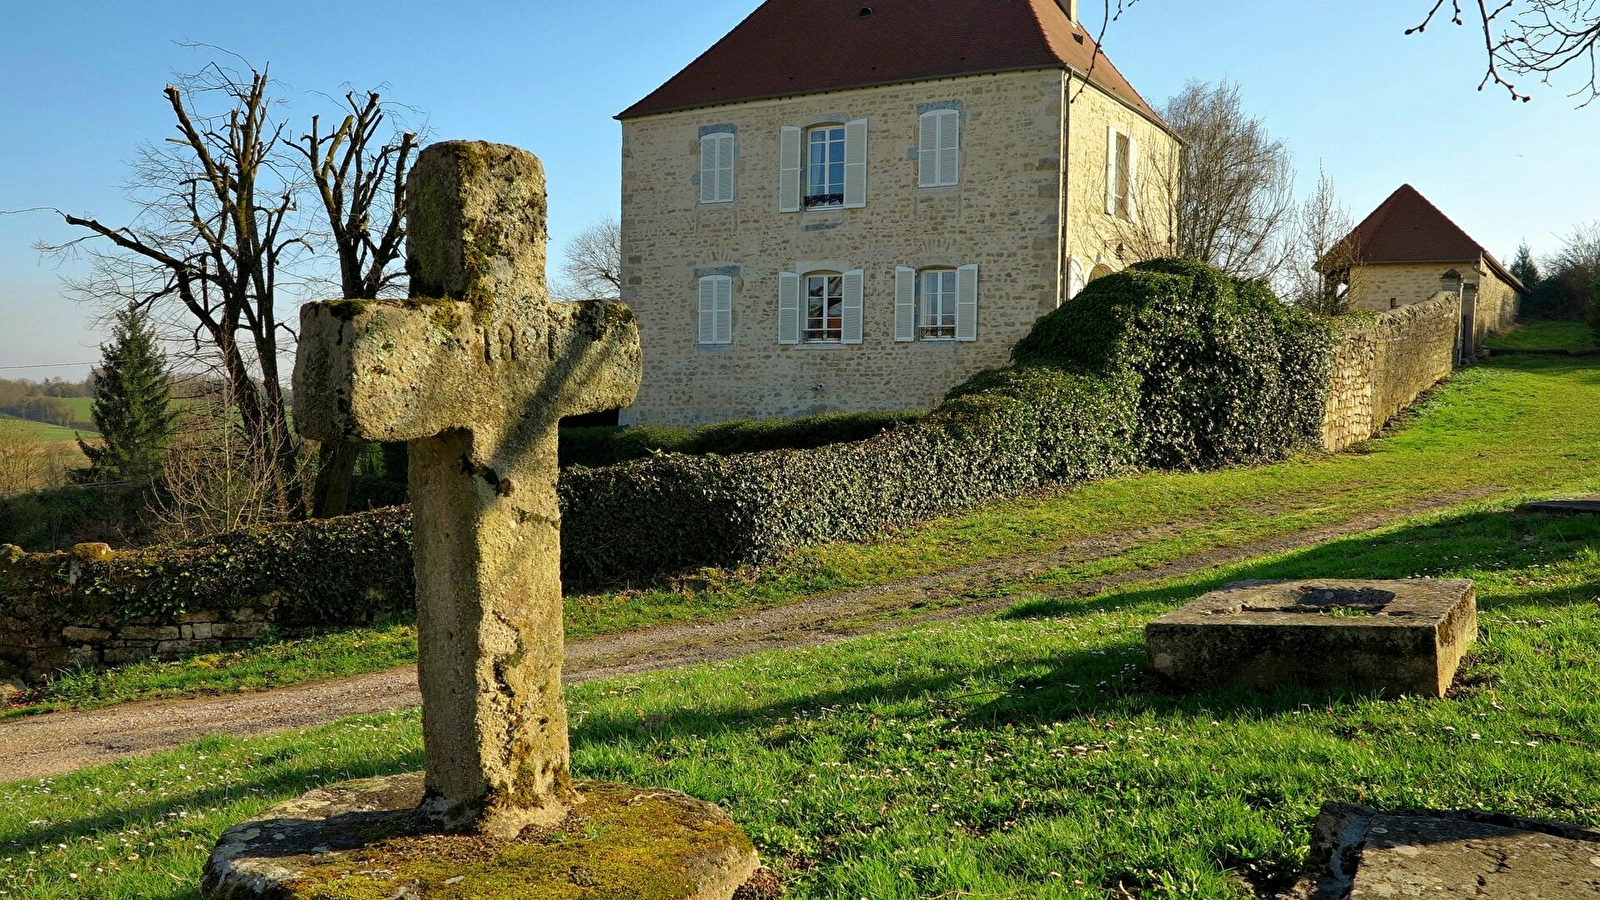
x: 1032, y: 427
x: 609, y: 445
x: 1168, y: 364
x: 344, y: 571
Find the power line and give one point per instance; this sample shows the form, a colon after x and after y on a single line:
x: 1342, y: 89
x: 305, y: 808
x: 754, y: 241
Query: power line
x: 52, y: 365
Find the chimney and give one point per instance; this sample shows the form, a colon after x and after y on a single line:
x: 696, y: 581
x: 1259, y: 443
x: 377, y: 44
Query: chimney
x: 1070, y: 7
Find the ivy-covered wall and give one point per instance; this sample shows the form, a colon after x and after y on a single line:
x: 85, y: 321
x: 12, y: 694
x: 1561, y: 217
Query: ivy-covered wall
x: 91, y: 606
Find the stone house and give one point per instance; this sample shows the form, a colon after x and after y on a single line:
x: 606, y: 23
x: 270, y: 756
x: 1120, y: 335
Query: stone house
x: 1407, y: 251
x: 850, y: 205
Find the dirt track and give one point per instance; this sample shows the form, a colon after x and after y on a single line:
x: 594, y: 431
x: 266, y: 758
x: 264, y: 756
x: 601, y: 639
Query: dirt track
x: 46, y: 745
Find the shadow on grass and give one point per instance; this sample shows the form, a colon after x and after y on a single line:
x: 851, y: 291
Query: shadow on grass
x: 272, y: 777
x: 1113, y: 680
x: 1456, y: 547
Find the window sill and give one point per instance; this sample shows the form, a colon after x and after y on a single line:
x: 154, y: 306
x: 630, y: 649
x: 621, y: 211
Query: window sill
x: 819, y: 345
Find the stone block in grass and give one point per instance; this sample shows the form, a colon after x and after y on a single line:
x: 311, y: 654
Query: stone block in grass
x: 1390, y: 637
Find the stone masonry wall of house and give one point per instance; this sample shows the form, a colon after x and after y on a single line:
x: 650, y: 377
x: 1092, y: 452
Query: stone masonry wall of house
x: 1005, y: 216
x: 1383, y: 362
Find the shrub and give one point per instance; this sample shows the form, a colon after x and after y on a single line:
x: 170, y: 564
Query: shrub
x: 606, y: 446
x: 1227, y: 373
x: 1594, y: 309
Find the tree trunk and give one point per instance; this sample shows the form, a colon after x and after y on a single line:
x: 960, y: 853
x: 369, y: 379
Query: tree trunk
x: 336, y: 466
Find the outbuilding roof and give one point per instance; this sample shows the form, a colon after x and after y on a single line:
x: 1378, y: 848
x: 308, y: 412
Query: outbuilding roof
x: 791, y: 47
x: 1406, y: 228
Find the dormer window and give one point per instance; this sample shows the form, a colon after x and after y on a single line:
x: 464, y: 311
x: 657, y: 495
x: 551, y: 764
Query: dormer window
x: 825, y: 166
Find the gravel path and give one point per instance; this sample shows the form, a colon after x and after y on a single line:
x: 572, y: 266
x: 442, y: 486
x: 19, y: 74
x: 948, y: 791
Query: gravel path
x: 51, y: 744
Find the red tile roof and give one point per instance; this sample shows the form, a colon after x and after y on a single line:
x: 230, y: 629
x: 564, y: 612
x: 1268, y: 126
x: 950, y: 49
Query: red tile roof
x: 1406, y: 228
x: 789, y: 47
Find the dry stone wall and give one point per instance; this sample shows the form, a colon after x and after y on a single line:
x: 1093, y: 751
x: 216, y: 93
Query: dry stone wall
x: 1383, y: 362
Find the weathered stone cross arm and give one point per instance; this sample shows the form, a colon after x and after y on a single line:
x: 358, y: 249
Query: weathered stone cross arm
x: 476, y: 371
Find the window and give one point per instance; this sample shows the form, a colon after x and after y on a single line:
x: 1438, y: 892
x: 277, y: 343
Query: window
x: 821, y: 307
x: 822, y: 167
x: 937, y: 319
x: 716, y: 309
x: 939, y: 148
x: 716, y: 168
x: 825, y: 166
x: 1122, y: 161
x: 936, y: 304
x: 824, y: 307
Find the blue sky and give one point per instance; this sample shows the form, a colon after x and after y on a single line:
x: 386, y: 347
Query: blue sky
x: 81, y: 80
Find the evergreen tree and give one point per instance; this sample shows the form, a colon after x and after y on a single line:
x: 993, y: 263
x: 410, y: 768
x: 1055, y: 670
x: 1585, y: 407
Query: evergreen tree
x: 132, y: 403
x: 1594, y: 309
x: 1524, y: 268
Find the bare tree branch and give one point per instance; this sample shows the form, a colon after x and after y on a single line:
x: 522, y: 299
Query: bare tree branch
x: 1530, y: 38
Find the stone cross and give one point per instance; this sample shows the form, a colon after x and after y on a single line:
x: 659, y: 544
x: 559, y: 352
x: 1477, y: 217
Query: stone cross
x: 475, y: 371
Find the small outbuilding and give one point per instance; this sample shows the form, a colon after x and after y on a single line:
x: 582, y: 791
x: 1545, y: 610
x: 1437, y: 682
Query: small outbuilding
x: 1407, y: 251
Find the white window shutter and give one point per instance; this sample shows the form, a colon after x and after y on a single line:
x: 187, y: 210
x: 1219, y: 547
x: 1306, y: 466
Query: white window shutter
x: 967, y: 303
x: 905, y: 303
x: 789, y: 164
x: 1133, y: 179
x: 722, y: 303
x: 708, y: 310
x: 708, y: 174
x: 950, y: 147
x: 1074, y: 277
x: 1111, y: 169
x: 855, y: 163
x: 855, y: 290
x: 928, y: 149
x: 788, y: 308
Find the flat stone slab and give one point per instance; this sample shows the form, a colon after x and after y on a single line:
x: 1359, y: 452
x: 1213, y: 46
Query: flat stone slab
x: 1364, y: 854
x: 1579, y: 506
x: 1393, y: 637
x: 367, y: 840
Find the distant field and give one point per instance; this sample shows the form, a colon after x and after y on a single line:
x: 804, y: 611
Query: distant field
x: 48, y: 433
x: 80, y: 407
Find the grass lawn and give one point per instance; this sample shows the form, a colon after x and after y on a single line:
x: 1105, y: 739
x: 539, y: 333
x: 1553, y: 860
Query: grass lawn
x: 1027, y: 755
x: 1518, y: 426
x: 1544, y: 335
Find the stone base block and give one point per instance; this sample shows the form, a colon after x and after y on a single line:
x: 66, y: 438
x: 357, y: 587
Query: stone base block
x: 367, y: 839
x: 1581, y: 506
x: 1362, y: 853
x: 1393, y: 637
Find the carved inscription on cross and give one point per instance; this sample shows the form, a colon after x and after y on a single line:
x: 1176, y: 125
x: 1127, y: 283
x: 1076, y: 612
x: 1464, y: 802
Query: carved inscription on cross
x: 475, y: 371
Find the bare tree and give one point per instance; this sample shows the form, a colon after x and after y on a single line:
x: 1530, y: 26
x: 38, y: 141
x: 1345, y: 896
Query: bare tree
x: 212, y: 236
x: 593, y: 267
x: 1533, y: 38
x: 216, y: 476
x: 1319, y: 276
x: 359, y: 172
x: 1235, y: 189
x: 24, y: 464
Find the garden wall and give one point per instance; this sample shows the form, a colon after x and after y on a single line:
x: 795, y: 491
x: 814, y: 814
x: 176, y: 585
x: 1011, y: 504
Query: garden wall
x: 1382, y: 362
x: 91, y: 606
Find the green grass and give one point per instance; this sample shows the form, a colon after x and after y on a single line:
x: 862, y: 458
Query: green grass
x: 273, y: 664
x: 82, y: 407
x: 1518, y: 426
x: 42, y: 431
x: 1545, y: 335
x: 1027, y: 755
